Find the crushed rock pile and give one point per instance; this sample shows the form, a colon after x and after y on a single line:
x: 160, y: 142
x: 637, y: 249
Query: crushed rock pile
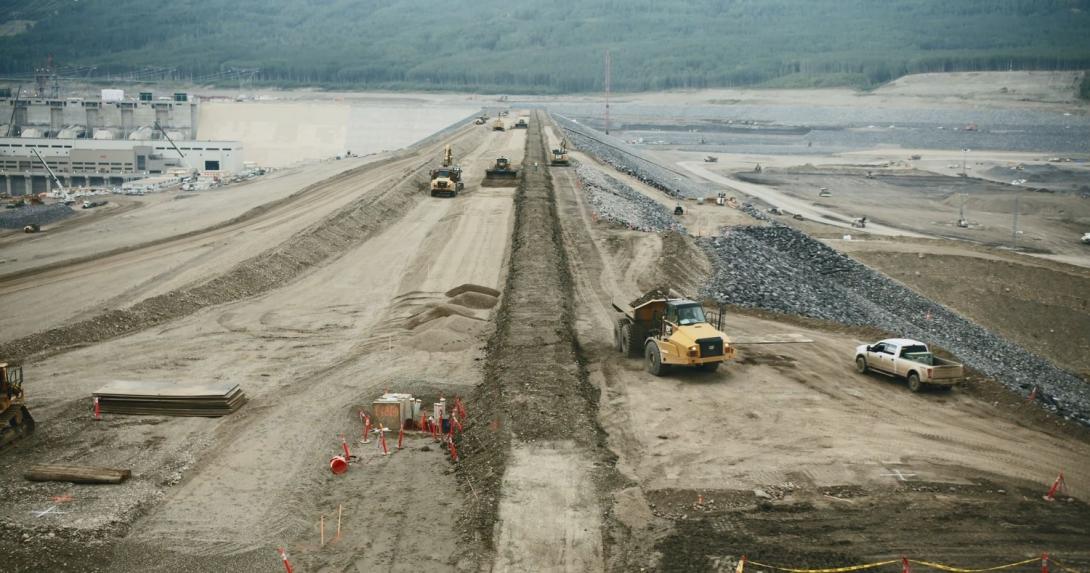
x: 616, y: 202
x: 34, y: 215
x: 780, y: 269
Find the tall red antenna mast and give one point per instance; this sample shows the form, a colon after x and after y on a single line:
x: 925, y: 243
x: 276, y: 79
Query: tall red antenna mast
x: 609, y: 74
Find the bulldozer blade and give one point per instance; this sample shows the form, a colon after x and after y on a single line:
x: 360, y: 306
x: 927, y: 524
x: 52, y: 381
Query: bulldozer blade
x: 15, y: 423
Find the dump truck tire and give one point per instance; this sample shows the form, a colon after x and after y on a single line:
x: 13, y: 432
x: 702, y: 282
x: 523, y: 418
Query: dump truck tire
x: 631, y: 340
x: 914, y: 383
x: 654, y: 359
x: 618, y: 334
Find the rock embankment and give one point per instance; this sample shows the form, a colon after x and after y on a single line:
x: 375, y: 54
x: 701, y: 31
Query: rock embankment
x: 618, y: 203
x: 778, y: 268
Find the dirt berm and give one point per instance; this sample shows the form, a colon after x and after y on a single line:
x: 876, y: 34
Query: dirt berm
x: 311, y: 248
x: 532, y: 442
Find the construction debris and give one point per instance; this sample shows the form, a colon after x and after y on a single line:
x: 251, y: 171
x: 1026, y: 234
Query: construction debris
x: 167, y: 399
x: 77, y: 474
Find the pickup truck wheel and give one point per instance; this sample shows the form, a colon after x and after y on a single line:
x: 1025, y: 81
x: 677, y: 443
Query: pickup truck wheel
x: 654, y: 360
x: 914, y: 383
x: 861, y: 364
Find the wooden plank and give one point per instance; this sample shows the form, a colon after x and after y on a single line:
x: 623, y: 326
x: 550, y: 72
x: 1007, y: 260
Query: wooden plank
x: 77, y: 474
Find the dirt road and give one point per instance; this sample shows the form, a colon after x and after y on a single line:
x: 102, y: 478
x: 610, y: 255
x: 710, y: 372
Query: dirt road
x: 574, y: 457
x: 793, y: 429
x: 309, y: 355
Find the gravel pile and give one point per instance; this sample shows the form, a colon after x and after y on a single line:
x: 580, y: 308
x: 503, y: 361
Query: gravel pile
x: 618, y: 154
x: 618, y: 203
x: 34, y: 215
x: 781, y: 269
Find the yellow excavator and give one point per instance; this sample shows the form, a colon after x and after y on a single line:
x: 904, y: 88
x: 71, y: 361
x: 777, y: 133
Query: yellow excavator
x: 560, y: 155
x: 15, y: 419
x: 447, y: 180
x: 670, y: 331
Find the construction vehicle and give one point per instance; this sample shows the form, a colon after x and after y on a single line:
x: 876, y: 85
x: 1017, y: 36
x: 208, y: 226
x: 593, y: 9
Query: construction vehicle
x: 15, y: 419
x: 32, y: 228
x: 859, y: 223
x: 560, y: 155
x: 1086, y: 238
x: 670, y: 331
x: 711, y: 159
x: 501, y: 170
x: 498, y: 125
x: 824, y: 193
x: 522, y: 123
x: 447, y: 180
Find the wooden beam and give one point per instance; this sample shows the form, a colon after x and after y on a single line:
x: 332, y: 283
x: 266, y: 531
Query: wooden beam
x: 77, y: 474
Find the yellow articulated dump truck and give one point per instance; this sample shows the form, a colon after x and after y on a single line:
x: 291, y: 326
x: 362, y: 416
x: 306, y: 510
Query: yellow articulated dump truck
x: 670, y: 331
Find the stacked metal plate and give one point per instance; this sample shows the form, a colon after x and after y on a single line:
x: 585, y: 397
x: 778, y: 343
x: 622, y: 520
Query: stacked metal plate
x: 169, y: 399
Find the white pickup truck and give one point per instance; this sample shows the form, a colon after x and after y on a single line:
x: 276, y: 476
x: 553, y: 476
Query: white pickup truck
x: 908, y: 359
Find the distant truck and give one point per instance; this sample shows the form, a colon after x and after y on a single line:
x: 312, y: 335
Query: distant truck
x: 1086, y: 238
x: 908, y: 359
x: 522, y: 123
x: 93, y: 204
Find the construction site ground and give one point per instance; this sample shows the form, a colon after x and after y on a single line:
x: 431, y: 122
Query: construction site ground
x: 339, y: 285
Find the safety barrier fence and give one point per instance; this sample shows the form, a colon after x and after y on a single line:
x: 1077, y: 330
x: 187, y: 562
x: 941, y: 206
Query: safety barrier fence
x: 1048, y: 564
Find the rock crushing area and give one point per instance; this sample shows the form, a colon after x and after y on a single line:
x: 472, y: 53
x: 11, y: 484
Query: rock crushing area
x: 34, y: 215
x: 616, y: 202
x: 778, y: 268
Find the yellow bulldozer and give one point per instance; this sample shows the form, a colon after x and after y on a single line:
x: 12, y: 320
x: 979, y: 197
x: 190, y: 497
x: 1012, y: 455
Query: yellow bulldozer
x: 669, y: 331
x: 15, y: 419
x: 447, y: 180
x: 502, y: 171
x: 499, y: 125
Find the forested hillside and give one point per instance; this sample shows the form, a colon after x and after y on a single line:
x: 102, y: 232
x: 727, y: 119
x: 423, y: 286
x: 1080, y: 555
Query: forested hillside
x: 522, y: 45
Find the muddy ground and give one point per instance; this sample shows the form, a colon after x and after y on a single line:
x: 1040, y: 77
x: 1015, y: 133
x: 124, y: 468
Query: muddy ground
x: 574, y: 458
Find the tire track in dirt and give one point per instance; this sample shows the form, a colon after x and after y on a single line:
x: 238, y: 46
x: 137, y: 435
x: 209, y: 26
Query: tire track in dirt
x: 312, y: 247
x: 532, y: 445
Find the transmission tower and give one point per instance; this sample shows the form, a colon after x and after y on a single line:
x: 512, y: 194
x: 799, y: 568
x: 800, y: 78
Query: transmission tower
x: 609, y: 76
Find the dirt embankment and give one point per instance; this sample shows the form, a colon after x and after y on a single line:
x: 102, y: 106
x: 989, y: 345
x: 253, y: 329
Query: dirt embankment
x: 534, y: 416
x: 261, y: 273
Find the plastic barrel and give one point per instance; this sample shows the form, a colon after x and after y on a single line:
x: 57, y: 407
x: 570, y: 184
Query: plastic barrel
x: 338, y: 465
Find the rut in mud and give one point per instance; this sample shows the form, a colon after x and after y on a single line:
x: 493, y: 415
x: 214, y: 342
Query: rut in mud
x: 531, y: 448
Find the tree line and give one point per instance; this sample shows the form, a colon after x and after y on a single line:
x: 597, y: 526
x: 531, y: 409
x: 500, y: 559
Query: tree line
x: 558, y: 47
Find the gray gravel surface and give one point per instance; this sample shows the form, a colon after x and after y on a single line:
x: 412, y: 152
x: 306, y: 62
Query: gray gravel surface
x: 618, y: 203
x: 34, y: 215
x: 778, y: 268
x: 781, y: 269
x: 623, y: 158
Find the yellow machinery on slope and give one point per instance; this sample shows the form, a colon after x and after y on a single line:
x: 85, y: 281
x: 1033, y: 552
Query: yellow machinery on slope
x: 15, y: 419
x: 560, y: 156
x: 501, y: 170
x: 499, y: 125
x: 669, y: 331
x: 447, y: 180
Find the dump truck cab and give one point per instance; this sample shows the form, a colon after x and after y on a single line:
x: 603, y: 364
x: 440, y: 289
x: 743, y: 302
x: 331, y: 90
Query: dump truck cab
x: 671, y: 332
